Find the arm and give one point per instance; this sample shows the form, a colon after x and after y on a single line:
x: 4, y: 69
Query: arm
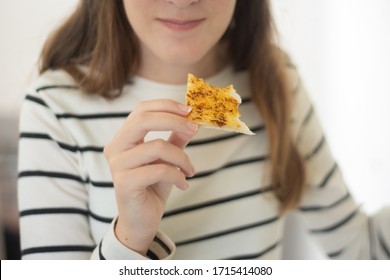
x: 53, y: 194
x: 330, y: 212
x: 51, y: 189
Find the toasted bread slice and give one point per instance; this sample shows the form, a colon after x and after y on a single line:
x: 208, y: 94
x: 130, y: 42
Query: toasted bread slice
x: 213, y: 106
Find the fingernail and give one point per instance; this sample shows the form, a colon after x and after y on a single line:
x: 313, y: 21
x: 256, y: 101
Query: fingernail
x: 193, y: 171
x: 186, y: 186
x: 192, y: 126
x: 185, y: 108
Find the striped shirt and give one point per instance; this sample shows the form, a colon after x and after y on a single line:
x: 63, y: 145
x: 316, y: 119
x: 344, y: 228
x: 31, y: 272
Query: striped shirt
x: 66, y: 195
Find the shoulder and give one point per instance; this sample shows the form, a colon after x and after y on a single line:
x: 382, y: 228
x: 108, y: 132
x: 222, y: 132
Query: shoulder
x: 46, y: 96
x: 301, y: 104
x: 56, y: 93
x: 57, y: 90
x: 290, y: 69
x: 53, y: 79
x: 50, y: 83
x: 51, y: 90
x: 292, y: 76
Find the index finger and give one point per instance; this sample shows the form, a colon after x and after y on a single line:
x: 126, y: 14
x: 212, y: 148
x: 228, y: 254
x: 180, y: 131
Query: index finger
x: 155, y: 115
x: 163, y: 105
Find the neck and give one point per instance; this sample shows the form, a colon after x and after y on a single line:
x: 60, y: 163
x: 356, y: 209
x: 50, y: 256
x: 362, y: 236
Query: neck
x: 156, y: 70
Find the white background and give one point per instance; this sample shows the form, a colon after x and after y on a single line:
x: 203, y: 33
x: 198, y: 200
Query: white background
x: 281, y: 270
x: 341, y: 48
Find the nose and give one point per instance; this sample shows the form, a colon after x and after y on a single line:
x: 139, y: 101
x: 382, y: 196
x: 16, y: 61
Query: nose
x: 182, y: 3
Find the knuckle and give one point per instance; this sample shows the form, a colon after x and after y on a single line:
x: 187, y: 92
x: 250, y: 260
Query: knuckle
x: 155, y: 149
x: 168, y: 103
x: 186, y: 157
x: 161, y: 170
x: 159, y: 145
x: 137, y: 116
x: 106, y: 151
x: 138, y: 113
x: 141, y: 106
x: 119, y: 179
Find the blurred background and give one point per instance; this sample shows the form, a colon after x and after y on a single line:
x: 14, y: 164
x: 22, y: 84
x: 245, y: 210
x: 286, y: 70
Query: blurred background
x: 341, y: 48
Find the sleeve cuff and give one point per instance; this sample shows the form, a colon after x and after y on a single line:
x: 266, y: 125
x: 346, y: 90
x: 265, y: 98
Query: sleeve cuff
x: 110, y: 248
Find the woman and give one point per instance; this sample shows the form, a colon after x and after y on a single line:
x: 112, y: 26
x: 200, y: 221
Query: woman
x: 111, y: 169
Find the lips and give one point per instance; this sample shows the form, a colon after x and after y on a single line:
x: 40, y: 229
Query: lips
x: 181, y: 25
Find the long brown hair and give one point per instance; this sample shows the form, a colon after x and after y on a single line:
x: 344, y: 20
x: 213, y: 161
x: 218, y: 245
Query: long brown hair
x: 99, y: 36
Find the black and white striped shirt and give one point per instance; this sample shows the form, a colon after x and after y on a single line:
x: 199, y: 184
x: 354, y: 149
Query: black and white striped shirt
x: 67, y: 202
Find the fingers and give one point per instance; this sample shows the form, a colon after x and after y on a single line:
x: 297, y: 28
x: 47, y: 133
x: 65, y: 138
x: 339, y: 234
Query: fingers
x: 141, y: 123
x: 163, y: 105
x: 180, y: 140
x: 152, y: 152
x: 148, y: 175
x: 156, y: 115
x: 143, y: 173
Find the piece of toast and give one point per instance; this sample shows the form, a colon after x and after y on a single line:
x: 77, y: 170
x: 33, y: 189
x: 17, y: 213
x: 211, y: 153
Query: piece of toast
x: 214, y: 107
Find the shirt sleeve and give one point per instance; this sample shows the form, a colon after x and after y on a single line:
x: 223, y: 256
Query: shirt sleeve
x: 328, y: 209
x: 111, y: 248
x: 52, y: 198
x: 53, y: 194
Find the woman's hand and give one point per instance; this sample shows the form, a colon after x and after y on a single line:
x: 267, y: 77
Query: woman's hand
x: 144, y: 172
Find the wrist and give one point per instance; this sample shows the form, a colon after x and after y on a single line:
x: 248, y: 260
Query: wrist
x: 135, y: 242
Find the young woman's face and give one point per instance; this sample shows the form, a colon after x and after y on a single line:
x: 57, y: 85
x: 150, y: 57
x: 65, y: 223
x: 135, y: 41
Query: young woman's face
x: 178, y: 32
